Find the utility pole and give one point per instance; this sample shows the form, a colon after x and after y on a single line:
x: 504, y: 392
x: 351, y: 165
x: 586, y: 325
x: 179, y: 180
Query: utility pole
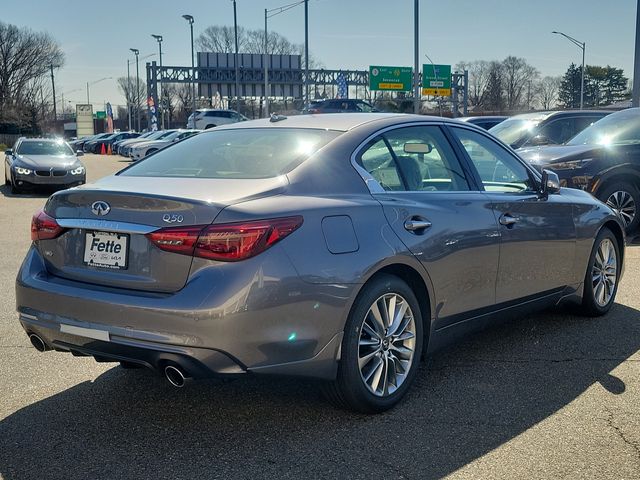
x: 128, y: 94
x: 136, y: 52
x: 266, y: 68
x: 635, y: 102
x: 416, y: 59
x: 306, y: 53
x: 235, y: 28
x: 189, y: 18
x: 160, y: 89
x: 53, y: 88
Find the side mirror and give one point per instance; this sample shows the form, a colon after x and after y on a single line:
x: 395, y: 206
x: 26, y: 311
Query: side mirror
x: 79, y: 153
x: 8, y: 152
x: 539, y: 140
x: 550, y: 182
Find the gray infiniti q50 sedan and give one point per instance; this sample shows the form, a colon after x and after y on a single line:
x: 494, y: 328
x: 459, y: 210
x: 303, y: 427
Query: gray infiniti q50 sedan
x: 340, y: 247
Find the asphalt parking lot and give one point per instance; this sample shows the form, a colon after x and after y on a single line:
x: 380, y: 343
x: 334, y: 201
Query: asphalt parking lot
x: 551, y: 396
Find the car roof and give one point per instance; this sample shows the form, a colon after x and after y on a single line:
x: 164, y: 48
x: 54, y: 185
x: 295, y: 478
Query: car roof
x: 483, y: 117
x: 559, y: 113
x: 330, y: 121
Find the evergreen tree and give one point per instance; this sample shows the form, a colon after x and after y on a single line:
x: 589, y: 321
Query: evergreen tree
x: 569, y: 94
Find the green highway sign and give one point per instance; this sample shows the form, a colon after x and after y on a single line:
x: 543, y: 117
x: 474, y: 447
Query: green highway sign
x: 101, y: 114
x: 390, y: 78
x: 436, y: 80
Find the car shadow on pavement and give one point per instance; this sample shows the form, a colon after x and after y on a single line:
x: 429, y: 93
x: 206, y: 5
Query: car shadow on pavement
x: 468, y: 400
x: 44, y: 192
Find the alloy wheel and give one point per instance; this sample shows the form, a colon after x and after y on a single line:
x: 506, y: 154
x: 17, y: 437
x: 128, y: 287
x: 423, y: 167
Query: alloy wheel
x: 624, y: 205
x: 604, y: 273
x: 386, y: 344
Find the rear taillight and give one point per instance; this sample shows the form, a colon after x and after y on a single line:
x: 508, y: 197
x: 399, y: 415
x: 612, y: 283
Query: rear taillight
x: 226, y: 242
x: 44, y: 227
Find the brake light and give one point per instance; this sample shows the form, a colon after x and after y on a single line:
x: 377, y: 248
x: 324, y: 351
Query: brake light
x: 229, y: 242
x: 44, y: 227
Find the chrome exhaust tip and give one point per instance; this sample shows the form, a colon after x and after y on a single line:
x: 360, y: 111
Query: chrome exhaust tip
x: 175, y: 376
x: 38, y: 343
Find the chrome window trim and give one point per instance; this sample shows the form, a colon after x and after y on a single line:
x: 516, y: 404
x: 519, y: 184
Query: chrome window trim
x: 106, y: 225
x: 372, y: 184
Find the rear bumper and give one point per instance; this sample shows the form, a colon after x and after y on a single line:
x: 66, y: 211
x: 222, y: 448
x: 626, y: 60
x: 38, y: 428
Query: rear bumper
x: 258, y: 318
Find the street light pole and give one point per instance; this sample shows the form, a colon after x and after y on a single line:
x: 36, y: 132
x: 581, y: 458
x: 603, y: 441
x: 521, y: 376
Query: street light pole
x: 268, y: 14
x: 129, y: 95
x: 235, y: 28
x: 635, y: 99
x: 581, y: 45
x: 266, y: 67
x: 53, y: 88
x: 160, y: 90
x: 416, y: 60
x: 136, y: 52
x: 306, y: 54
x: 189, y: 18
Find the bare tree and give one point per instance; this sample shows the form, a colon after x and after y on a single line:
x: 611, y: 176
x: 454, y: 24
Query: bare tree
x: 548, y: 89
x: 478, y: 80
x: 25, y: 61
x: 517, y: 75
x: 221, y: 39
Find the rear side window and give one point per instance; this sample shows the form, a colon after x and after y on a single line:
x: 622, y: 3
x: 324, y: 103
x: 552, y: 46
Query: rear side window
x: 236, y: 154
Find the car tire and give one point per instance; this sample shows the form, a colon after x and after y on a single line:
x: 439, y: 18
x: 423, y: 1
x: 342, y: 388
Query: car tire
x: 624, y: 198
x: 371, y: 353
x: 209, y: 126
x: 602, y: 277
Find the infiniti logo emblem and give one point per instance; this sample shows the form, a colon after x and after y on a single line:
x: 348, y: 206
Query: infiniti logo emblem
x: 100, y: 208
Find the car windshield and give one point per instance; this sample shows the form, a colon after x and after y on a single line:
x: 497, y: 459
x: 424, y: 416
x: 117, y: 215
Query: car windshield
x: 513, y: 130
x: 616, y: 129
x: 44, y: 147
x: 236, y: 154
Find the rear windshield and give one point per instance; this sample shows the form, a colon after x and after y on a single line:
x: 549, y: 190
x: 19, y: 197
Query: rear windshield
x: 34, y: 147
x: 237, y: 153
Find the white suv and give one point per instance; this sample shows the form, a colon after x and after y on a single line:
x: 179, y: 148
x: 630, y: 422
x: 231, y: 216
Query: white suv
x: 209, y: 118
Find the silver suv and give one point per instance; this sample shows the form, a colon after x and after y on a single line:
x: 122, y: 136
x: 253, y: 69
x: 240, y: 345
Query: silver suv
x: 205, y: 118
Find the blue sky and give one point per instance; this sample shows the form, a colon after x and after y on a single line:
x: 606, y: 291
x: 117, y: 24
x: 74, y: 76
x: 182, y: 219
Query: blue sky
x: 96, y: 36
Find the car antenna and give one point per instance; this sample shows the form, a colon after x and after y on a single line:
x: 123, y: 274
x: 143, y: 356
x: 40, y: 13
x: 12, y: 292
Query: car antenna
x: 276, y: 118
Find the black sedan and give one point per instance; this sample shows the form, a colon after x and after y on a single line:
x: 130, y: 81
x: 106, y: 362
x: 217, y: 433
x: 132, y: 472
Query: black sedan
x: 604, y: 160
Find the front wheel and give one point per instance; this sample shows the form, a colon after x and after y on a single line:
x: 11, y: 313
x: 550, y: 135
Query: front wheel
x: 624, y: 199
x: 381, y: 347
x: 603, y: 275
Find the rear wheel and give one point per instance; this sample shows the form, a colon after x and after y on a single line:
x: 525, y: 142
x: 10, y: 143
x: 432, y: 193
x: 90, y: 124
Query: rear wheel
x: 603, y: 274
x: 381, y: 347
x: 624, y: 199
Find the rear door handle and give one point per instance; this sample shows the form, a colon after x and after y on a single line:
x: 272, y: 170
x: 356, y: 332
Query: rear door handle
x: 508, y: 220
x: 416, y: 223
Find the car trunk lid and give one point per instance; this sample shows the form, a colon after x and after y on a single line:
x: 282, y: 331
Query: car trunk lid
x: 104, y: 242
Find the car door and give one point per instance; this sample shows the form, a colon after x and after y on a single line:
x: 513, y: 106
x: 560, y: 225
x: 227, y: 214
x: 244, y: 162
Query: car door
x: 537, y: 233
x: 438, y: 213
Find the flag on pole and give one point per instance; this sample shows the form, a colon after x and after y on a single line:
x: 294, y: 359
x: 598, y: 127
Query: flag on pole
x: 109, y: 118
x: 343, y: 91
